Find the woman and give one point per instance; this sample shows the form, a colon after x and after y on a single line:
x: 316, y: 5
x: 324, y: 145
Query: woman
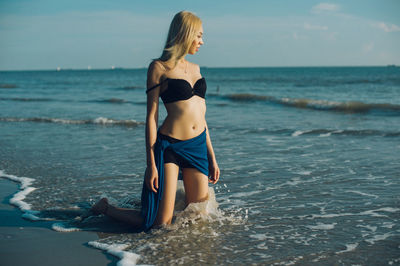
x: 182, y: 141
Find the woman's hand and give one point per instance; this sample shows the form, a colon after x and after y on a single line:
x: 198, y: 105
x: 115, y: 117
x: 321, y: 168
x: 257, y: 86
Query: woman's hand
x: 152, y: 178
x: 213, y: 170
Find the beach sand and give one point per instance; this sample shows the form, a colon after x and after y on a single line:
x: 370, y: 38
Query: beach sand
x: 24, y: 242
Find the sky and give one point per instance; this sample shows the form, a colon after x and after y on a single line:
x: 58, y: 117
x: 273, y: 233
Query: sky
x: 99, y: 34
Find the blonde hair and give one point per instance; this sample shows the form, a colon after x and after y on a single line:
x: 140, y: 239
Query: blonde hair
x: 181, y: 34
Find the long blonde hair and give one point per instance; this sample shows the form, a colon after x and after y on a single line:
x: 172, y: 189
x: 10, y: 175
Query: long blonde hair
x: 181, y: 34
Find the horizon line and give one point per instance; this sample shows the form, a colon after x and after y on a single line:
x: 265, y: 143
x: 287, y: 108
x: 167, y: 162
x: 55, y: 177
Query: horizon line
x: 58, y: 69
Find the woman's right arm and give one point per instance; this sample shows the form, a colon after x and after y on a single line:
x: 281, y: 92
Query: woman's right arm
x: 154, y: 74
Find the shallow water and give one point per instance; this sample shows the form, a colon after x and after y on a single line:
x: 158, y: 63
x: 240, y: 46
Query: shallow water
x: 308, y: 156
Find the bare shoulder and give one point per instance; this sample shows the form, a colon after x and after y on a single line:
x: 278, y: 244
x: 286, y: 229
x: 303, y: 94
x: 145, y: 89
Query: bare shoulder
x: 155, y: 71
x: 156, y: 65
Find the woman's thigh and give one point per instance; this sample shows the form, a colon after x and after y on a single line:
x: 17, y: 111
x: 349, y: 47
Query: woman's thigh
x: 167, y: 203
x: 196, y: 185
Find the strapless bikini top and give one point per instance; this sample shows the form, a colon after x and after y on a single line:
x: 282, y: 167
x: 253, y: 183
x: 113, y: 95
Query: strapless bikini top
x: 181, y: 89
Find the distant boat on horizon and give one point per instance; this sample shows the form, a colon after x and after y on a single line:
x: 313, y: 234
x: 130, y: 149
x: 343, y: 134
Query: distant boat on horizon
x: 116, y: 68
x: 393, y: 65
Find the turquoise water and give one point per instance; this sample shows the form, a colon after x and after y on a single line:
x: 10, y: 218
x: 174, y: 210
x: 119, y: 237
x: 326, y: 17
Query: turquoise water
x: 309, y: 161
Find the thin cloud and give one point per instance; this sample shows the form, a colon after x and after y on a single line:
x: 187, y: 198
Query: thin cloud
x: 297, y: 36
x: 387, y: 27
x: 331, y: 36
x: 368, y: 47
x: 324, y: 7
x: 308, y: 26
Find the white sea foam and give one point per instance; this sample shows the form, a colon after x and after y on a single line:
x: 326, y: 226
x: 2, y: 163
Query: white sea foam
x: 17, y: 199
x: 349, y: 247
x: 372, y: 213
x: 117, y: 250
x: 246, y: 194
x: 325, y: 135
x: 322, y: 226
x: 388, y: 225
x: 388, y: 209
x: 304, y: 172
x: 369, y: 212
x: 259, y: 171
x: 362, y: 193
x: 60, y: 227
x: 372, y: 228
x: 298, y: 133
x: 376, y: 238
x: 98, y: 121
x: 205, y: 211
x: 351, y: 171
x: 259, y: 236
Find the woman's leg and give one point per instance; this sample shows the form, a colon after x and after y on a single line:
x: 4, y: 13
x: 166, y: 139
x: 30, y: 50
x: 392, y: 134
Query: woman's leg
x: 134, y: 217
x: 129, y: 216
x: 167, y: 203
x: 196, y: 185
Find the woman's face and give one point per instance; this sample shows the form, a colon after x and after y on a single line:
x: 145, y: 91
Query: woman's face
x: 198, y: 41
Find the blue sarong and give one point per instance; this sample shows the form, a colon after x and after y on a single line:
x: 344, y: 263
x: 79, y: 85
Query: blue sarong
x: 193, y: 150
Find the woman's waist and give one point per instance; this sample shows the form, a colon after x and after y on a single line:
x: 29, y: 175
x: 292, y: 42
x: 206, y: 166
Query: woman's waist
x: 182, y: 129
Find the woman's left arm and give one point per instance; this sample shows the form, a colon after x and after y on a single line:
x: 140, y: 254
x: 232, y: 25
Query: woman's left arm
x: 212, y: 161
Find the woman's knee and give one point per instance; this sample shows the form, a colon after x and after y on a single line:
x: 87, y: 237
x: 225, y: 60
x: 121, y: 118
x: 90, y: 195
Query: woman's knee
x: 163, y: 220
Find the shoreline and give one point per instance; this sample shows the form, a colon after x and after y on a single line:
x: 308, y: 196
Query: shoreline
x: 25, y: 242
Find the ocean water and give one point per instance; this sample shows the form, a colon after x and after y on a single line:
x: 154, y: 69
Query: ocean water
x: 309, y: 158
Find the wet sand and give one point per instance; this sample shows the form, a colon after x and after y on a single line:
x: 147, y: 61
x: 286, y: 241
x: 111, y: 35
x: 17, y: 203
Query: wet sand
x: 24, y: 242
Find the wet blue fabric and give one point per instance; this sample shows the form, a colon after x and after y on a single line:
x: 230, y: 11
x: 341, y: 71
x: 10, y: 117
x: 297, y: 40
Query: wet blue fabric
x: 193, y: 150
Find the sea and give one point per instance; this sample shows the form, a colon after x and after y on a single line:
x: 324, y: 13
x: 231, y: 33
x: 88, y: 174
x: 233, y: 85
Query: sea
x: 309, y: 159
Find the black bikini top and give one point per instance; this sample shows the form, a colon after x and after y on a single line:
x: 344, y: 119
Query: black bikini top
x: 180, y: 89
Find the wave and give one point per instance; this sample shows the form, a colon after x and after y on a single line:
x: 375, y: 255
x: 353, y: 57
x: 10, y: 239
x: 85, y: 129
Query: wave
x: 131, y: 88
x: 7, y: 86
x: 112, y: 100
x: 361, y: 132
x: 202, y: 218
x: 247, y: 97
x: 311, y: 81
x: 26, y: 99
x: 322, y: 132
x: 118, y: 250
x: 96, y: 121
x: 349, y: 107
x: 18, y: 198
x: 320, y: 105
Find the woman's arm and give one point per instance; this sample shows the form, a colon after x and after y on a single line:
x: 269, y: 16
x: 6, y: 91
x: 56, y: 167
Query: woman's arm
x: 210, y: 150
x: 213, y: 167
x: 154, y: 74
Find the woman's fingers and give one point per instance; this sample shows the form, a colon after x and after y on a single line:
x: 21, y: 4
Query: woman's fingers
x: 154, y: 183
x: 216, y: 177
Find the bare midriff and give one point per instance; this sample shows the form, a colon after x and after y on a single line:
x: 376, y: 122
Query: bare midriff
x: 185, y: 119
